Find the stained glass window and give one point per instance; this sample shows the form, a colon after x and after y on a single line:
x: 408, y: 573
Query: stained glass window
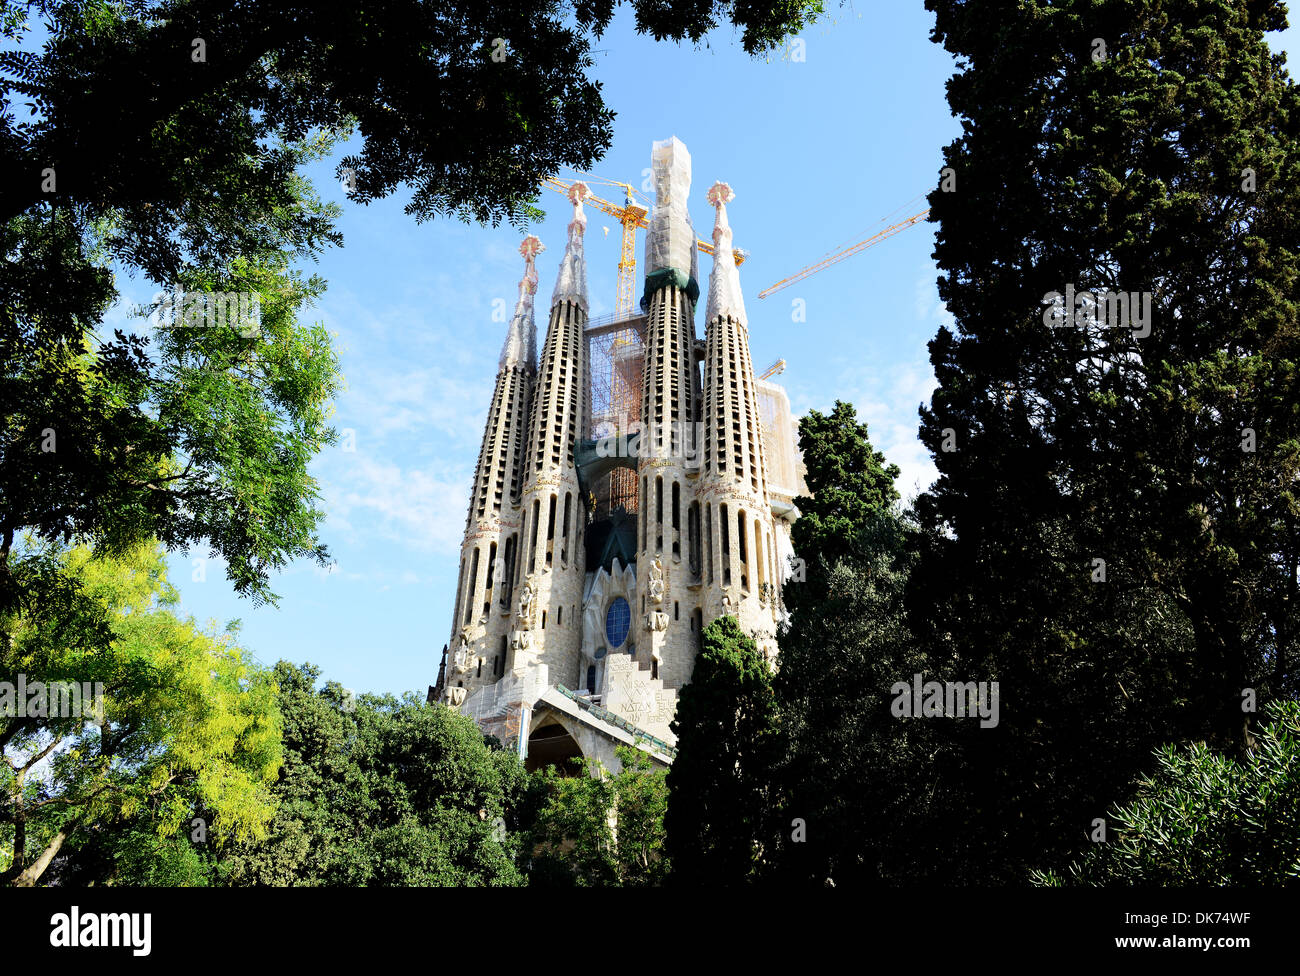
x: 618, y: 621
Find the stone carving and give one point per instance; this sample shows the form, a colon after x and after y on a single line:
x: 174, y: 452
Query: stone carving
x: 656, y: 620
x: 460, y: 661
x: 728, y: 608
x: 456, y: 696
x: 524, y: 619
x: 657, y: 582
x: 521, y: 640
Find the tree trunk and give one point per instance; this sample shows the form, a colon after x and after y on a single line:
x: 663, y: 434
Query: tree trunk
x: 30, y: 875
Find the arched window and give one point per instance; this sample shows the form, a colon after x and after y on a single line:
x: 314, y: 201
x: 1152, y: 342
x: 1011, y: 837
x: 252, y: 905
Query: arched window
x: 532, y: 539
x: 472, y: 584
x: 564, y: 537
x: 742, y: 548
x: 618, y: 622
x: 724, y: 524
x: 550, y: 534
x: 659, y: 514
x: 708, y: 538
x: 677, y: 520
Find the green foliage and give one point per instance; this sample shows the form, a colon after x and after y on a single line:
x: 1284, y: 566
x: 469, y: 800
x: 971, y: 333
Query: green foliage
x: 849, y: 483
x: 187, y: 722
x: 128, y: 852
x: 1206, y: 819
x: 596, y: 828
x: 1122, y: 173
x: 382, y: 791
x: 719, y: 819
x: 868, y: 786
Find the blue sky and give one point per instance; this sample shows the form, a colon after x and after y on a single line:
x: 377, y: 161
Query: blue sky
x: 817, y: 152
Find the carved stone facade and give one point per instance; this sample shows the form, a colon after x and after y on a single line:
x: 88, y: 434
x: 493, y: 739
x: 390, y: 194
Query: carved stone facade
x: 563, y: 626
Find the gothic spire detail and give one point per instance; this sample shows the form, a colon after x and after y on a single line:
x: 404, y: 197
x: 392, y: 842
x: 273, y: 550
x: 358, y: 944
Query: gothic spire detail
x: 724, y: 280
x: 571, y: 285
x: 521, y: 340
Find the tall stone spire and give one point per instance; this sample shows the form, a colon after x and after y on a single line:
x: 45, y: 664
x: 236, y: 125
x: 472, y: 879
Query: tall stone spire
x: 489, y: 552
x: 741, y: 560
x: 667, y: 464
x: 550, y: 571
x: 670, y: 399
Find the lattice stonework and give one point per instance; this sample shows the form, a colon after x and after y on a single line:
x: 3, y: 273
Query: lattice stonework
x: 615, y: 358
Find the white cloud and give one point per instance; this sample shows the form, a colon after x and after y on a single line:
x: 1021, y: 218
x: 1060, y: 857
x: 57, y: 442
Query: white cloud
x: 886, y: 397
x: 420, y: 508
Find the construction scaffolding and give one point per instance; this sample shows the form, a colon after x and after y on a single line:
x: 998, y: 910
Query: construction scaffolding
x: 615, y: 357
x: 780, y: 441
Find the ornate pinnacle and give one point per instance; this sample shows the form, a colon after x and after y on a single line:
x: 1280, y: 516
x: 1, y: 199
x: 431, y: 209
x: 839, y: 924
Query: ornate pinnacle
x: 720, y: 194
x: 530, y: 248
x: 571, y: 284
x: 724, y: 281
x: 578, y: 193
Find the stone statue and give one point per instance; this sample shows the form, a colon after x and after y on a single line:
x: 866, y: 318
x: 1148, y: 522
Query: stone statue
x: 461, y: 660
x: 521, y: 640
x: 657, y: 581
x: 525, y: 617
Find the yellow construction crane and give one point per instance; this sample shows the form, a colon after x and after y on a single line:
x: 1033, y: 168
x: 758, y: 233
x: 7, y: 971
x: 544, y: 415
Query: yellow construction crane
x: 773, y: 370
x: 849, y: 251
x: 632, y: 216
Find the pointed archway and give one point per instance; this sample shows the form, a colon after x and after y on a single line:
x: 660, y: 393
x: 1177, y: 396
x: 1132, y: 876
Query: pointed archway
x: 551, y: 744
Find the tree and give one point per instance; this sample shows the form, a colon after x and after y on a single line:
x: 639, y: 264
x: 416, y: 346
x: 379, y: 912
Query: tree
x: 1202, y: 818
x: 598, y: 828
x: 378, y: 790
x: 128, y: 852
x: 183, y: 722
x: 641, y: 791
x: 848, y: 483
x: 1112, y: 535
x: 868, y: 789
x: 719, y: 819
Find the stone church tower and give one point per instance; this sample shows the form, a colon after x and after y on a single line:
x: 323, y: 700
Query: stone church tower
x: 622, y: 500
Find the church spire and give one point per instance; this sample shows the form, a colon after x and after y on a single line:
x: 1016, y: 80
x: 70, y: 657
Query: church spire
x: 571, y: 285
x: 725, y: 298
x: 520, y: 347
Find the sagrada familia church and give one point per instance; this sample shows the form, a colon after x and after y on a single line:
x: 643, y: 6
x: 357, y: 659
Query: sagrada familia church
x: 622, y: 500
